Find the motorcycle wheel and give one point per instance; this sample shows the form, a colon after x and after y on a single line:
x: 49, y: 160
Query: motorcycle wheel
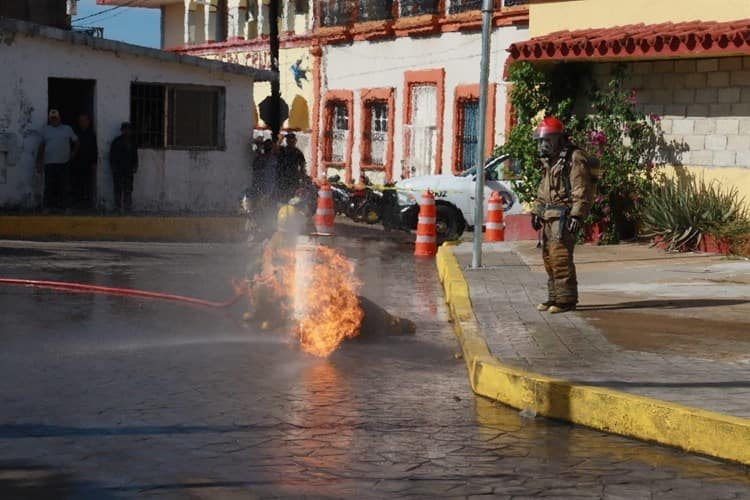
x: 446, y: 224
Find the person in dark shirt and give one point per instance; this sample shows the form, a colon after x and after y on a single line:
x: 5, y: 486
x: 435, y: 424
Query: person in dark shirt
x: 292, y: 167
x: 123, y: 160
x: 83, y: 166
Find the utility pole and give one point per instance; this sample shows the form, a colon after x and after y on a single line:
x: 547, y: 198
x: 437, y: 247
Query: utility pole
x: 484, y: 76
x: 273, y: 14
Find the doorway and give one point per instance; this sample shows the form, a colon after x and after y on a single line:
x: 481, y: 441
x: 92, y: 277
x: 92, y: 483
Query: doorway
x: 73, y: 97
x: 423, y: 128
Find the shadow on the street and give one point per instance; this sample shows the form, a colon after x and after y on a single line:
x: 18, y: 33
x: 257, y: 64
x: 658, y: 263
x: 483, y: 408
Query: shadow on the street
x: 664, y: 304
x: 39, y: 482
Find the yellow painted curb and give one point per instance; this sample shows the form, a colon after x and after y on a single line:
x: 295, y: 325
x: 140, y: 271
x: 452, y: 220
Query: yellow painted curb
x: 691, y: 429
x: 187, y: 229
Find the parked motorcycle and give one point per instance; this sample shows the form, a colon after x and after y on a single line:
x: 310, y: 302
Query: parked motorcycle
x: 359, y: 203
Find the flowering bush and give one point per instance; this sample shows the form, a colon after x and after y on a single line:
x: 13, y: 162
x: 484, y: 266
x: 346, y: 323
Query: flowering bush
x: 628, y: 143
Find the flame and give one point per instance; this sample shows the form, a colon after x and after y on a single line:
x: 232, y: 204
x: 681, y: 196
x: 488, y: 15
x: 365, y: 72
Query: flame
x: 314, y: 288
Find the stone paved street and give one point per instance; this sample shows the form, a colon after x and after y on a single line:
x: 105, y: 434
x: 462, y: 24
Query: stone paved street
x: 570, y: 347
x: 109, y: 397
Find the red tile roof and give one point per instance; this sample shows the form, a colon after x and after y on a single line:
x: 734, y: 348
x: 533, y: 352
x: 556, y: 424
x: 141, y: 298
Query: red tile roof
x: 640, y: 41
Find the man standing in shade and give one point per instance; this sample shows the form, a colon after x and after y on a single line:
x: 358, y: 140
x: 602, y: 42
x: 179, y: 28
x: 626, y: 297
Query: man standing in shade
x: 562, y: 203
x: 58, y: 144
x: 83, y: 166
x: 123, y: 160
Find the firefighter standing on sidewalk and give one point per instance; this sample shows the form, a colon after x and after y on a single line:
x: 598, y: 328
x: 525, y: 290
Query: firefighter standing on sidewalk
x: 563, y: 202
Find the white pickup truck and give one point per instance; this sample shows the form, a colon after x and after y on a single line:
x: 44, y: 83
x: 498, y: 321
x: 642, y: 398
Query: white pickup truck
x: 454, y: 197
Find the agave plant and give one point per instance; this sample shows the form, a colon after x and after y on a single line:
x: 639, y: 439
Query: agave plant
x: 682, y: 212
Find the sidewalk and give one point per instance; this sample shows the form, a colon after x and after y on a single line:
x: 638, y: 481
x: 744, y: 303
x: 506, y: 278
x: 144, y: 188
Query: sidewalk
x: 675, y: 328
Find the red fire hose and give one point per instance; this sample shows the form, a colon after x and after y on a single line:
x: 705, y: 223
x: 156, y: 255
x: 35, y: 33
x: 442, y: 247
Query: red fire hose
x: 106, y: 290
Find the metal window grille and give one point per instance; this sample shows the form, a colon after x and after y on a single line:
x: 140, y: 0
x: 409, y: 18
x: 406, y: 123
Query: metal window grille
x: 419, y: 7
x: 378, y: 132
x: 513, y: 3
x: 147, y: 106
x: 337, y: 133
x: 468, y: 139
x: 301, y: 6
x: 458, y: 6
x: 370, y: 10
x: 177, y: 116
x: 336, y: 12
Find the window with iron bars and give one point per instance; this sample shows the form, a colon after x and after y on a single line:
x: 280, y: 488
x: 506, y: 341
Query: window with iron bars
x: 177, y: 116
x: 370, y: 10
x: 419, y: 7
x: 337, y: 132
x: 458, y: 6
x: 468, y: 133
x: 376, y: 132
x: 336, y: 12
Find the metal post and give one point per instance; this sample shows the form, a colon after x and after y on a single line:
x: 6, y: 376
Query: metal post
x: 273, y: 34
x: 484, y: 75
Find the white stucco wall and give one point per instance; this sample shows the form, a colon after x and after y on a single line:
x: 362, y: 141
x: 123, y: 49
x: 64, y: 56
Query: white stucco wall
x: 173, y: 19
x: 383, y: 63
x: 167, y: 180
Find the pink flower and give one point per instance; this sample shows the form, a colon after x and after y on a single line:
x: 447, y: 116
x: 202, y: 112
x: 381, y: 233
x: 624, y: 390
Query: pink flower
x: 654, y: 117
x: 598, y: 199
x: 633, y: 97
x: 605, y: 219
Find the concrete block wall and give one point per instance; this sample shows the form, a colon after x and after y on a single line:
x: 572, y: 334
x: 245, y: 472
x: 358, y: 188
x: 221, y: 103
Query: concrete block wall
x: 704, y: 105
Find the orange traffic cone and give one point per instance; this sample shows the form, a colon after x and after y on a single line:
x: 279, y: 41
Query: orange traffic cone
x: 495, y: 227
x: 426, y: 231
x: 324, y: 215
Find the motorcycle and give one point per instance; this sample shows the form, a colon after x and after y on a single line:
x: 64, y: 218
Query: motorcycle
x: 359, y: 203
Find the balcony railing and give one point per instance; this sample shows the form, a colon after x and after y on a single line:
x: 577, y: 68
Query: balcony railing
x: 419, y: 7
x: 375, y: 10
x: 336, y: 12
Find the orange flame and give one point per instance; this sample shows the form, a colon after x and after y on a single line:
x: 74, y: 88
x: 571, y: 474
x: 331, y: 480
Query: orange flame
x: 314, y: 288
x: 330, y: 307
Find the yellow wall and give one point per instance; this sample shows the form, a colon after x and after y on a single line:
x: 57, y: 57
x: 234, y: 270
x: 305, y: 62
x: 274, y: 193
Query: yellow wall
x: 547, y: 17
x: 300, y: 101
x: 738, y: 177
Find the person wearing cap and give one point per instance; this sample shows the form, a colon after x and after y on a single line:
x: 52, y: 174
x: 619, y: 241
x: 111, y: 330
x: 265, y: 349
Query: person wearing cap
x: 562, y: 203
x: 57, y: 146
x: 292, y: 165
x: 123, y: 160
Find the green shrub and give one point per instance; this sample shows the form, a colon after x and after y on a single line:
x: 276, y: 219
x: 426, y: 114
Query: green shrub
x: 682, y: 212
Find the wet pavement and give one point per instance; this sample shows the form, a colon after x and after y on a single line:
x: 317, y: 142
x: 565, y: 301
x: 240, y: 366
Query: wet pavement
x: 109, y: 397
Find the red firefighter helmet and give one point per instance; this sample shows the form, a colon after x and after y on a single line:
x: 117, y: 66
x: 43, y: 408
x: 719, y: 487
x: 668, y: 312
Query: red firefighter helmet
x: 550, y: 125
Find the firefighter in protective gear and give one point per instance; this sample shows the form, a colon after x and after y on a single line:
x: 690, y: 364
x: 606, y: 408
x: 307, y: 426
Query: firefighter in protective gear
x: 563, y: 202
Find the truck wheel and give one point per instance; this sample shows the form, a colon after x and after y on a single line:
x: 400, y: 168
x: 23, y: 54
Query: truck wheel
x: 446, y: 224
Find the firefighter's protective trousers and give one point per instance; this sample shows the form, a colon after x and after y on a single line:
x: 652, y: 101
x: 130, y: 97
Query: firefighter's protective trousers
x: 557, y: 252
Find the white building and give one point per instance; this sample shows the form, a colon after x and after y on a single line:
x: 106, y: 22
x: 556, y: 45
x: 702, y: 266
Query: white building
x: 399, y: 85
x: 193, y: 117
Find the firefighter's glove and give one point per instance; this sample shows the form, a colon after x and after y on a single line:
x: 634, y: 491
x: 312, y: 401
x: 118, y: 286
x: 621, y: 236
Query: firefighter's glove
x: 536, y: 222
x: 574, y: 225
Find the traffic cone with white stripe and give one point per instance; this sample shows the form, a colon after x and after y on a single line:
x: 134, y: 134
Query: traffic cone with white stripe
x: 324, y: 214
x: 426, y: 231
x: 495, y: 227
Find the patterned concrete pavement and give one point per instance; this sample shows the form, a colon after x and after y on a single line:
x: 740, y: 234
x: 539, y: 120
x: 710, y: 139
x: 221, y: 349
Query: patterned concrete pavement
x: 568, y: 346
x: 105, y: 397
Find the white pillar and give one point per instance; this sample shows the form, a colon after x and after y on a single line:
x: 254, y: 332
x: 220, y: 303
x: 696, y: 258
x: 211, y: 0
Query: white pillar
x: 189, y: 21
x: 287, y: 17
x: 263, y: 26
x: 209, y: 20
x: 236, y: 19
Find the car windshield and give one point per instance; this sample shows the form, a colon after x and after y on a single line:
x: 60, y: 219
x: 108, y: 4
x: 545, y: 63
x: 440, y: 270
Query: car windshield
x: 493, y: 166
